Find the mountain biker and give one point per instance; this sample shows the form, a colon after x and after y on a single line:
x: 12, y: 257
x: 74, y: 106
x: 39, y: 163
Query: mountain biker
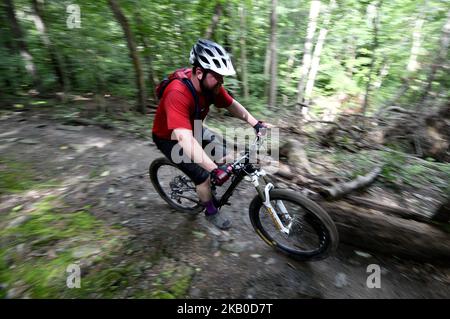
x: 174, y: 121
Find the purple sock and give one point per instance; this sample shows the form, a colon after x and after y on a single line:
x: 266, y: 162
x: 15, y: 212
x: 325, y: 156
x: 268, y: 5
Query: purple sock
x: 210, y: 208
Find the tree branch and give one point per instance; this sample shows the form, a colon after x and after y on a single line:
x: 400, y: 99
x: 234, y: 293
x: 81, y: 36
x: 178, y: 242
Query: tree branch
x: 343, y: 189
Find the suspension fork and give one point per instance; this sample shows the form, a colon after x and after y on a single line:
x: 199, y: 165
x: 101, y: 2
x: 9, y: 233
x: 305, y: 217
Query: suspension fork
x: 280, y: 204
x: 264, y: 194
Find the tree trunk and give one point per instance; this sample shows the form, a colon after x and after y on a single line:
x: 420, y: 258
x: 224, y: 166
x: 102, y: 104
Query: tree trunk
x: 243, y: 52
x: 152, y: 79
x: 71, y: 71
x: 306, y: 63
x: 383, y: 72
x: 55, y: 58
x: 375, y: 23
x: 351, y: 54
x: 317, y: 51
x: 273, y: 57
x: 133, y: 54
x: 19, y: 37
x: 440, y: 59
x: 100, y: 83
x: 267, y: 71
x: 290, y: 64
x: 413, y: 65
x: 6, y: 40
x: 215, y: 21
x: 290, y: 73
x: 417, y: 39
x: 228, y: 26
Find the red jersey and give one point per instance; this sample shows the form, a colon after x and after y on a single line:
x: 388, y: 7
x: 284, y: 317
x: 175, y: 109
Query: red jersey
x: 177, y: 106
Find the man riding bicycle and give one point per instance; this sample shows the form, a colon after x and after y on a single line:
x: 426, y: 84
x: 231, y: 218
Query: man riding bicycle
x: 187, y: 100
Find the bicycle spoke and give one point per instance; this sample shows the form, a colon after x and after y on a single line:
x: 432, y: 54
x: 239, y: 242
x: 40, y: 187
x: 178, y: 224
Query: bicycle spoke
x: 195, y: 200
x: 303, y: 233
x: 177, y: 186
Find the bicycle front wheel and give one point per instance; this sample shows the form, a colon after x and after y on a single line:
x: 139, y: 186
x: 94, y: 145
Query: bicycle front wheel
x: 312, y: 233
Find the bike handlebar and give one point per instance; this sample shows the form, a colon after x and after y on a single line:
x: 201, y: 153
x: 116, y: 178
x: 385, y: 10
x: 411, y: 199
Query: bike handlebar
x: 254, y: 146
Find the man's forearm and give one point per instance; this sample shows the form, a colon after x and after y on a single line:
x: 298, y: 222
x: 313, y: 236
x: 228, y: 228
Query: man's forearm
x: 240, y: 112
x: 193, y: 149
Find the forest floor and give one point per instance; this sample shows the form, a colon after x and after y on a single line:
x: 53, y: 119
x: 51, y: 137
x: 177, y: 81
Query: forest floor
x: 72, y: 194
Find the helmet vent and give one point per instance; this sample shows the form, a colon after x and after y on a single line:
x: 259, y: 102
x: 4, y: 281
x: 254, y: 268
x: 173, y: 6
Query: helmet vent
x: 216, y: 63
x: 204, y: 60
x: 209, y: 52
x: 220, y: 52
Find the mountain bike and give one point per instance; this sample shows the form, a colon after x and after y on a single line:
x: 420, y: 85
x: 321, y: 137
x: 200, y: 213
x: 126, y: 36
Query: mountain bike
x: 286, y: 220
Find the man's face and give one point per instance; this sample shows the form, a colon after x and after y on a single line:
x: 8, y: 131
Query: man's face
x: 213, y: 81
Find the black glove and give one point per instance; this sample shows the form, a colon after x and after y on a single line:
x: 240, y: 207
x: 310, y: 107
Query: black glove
x: 258, y: 127
x: 221, y: 174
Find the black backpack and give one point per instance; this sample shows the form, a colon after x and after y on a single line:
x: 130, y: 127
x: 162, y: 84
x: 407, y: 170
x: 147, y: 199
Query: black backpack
x: 181, y: 76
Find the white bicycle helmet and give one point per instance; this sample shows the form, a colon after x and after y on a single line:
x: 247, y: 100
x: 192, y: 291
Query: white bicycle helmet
x: 211, y: 56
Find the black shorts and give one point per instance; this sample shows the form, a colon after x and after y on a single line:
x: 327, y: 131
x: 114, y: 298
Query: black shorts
x: 213, y: 145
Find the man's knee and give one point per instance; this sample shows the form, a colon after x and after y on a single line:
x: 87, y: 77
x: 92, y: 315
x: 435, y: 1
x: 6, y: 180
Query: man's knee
x: 205, y: 184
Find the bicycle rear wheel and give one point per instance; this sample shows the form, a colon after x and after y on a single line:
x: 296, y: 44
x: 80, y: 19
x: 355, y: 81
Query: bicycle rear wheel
x: 174, y: 186
x: 312, y: 232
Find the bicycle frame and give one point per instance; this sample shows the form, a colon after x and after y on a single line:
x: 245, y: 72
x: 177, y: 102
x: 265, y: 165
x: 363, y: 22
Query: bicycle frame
x: 241, y: 170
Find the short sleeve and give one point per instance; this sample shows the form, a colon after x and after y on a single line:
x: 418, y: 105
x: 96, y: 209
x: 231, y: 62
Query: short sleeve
x: 178, y: 107
x: 223, y: 99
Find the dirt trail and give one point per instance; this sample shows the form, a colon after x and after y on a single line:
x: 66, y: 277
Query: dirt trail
x: 233, y: 264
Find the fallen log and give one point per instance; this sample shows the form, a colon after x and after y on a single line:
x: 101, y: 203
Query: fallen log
x: 283, y: 171
x: 394, y: 231
x: 285, y: 175
x: 399, y: 110
x: 379, y: 232
x: 442, y: 214
x: 387, y: 209
x: 296, y: 155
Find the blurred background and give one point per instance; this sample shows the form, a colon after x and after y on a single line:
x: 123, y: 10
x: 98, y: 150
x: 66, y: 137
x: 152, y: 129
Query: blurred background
x: 359, y: 90
x: 347, y: 54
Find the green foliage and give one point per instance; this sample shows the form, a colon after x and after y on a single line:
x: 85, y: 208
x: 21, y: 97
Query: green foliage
x: 46, y: 228
x: 35, y: 253
x: 353, y: 165
x: 173, y: 283
x: 394, y: 162
x: 397, y: 169
x: 400, y: 170
x: 46, y: 224
x: 95, y: 57
x: 15, y: 177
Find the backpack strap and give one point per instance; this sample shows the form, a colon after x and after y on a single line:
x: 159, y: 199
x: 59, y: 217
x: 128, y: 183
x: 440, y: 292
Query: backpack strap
x: 190, y: 86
